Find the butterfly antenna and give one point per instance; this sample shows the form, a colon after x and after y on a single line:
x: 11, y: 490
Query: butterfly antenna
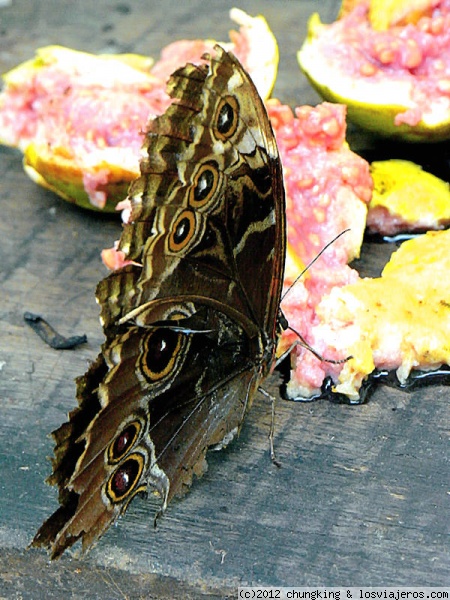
x: 301, y: 340
x: 310, y: 264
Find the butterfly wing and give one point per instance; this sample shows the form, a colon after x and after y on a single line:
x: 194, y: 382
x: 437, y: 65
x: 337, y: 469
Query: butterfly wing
x: 191, y: 325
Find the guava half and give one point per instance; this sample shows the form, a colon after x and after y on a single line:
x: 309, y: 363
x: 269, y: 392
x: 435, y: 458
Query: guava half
x: 79, y: 118
x: 394, y: 81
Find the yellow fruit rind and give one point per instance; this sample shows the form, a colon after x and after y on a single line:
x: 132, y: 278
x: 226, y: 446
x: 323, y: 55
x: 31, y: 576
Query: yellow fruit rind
x: 406, y: 191
x: 64, y: 177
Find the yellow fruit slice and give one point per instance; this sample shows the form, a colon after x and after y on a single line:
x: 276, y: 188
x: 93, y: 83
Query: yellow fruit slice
x: 385, y: 13
x: 374, y: 74
x: 406, y: 198
x: 400, y: 320
x: 79, y: 118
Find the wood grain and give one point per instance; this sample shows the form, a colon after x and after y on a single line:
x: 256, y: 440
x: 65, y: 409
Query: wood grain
x: 362, y: 495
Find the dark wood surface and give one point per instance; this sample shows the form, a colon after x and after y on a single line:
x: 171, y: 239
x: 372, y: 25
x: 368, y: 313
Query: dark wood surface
x: 362, y: 497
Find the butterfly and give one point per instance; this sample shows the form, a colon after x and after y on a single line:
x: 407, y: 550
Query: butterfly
x: 191, y: 322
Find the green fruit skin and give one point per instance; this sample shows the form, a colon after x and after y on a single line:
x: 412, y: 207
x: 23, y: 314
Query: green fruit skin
x: 66, y: 181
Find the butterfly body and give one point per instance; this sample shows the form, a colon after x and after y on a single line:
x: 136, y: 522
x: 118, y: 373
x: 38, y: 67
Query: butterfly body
x: 192, y: 322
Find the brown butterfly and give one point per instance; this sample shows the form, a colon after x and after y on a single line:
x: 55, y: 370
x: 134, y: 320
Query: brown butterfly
x: 192, y: 324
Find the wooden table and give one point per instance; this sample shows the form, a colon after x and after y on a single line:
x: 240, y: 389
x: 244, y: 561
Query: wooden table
x: 362, y: 497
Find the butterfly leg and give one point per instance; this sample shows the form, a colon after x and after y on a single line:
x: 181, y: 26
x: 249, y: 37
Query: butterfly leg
x: 273, y: 457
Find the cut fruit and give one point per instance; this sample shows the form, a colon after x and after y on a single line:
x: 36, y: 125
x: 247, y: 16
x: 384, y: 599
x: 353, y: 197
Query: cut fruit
x: 397, y: 322
x: 400, y: 321
x: 406, y: 198
x: 79, y: 118
x: 328, y: 188
x: 327, y: 185
x: 388, y: 323
x: 76, y: 117
x: 394, y: 82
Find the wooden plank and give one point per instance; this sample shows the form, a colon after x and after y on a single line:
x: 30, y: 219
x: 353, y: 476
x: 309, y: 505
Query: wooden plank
x: 362, y: 494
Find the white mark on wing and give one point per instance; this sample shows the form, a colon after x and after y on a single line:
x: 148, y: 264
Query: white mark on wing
x: 234, y: 82
x: 218, y: 148
x: 256, y: 227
